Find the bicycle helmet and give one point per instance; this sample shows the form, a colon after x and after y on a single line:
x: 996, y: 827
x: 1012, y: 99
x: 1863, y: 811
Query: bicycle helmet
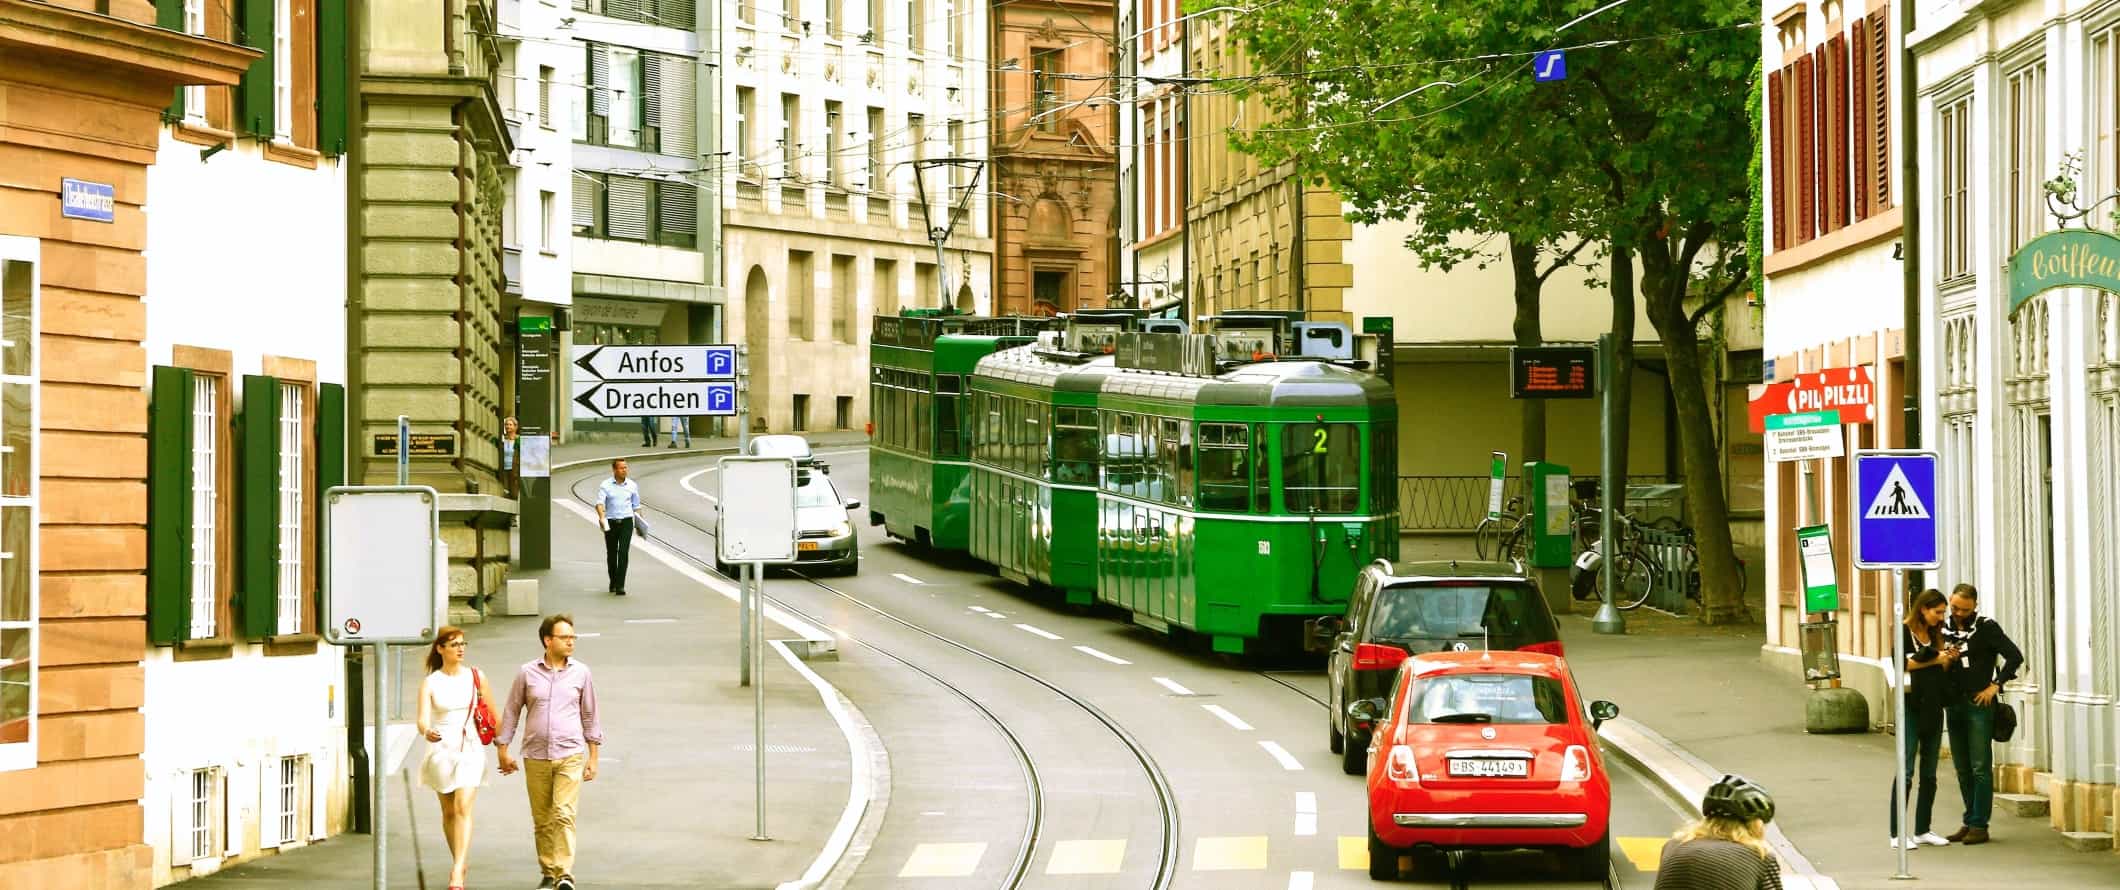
x: 1735, y: 797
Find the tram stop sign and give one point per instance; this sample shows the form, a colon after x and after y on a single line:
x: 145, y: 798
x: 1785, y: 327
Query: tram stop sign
x: 1897, y: 525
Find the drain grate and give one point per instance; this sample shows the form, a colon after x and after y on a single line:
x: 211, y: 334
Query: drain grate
x: 778, y: 749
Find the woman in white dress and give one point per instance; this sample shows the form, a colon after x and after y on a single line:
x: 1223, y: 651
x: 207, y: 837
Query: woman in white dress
x: 455, y: 765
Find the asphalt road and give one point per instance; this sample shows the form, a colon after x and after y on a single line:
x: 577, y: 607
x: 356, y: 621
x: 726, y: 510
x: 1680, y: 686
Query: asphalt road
x: 1261, y: 802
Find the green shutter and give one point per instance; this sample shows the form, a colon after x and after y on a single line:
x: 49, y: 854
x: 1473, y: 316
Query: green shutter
x: 169, y: 15
x: 331, y: 466
x: 331, y: 77
x: 258, y: 493
x: 169, y: 506
x: 254, y: 96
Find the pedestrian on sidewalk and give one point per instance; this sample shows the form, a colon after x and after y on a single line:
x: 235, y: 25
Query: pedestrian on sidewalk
x: 1970, y: 716
x: 617, y: 505
x: 648, y: 431
x: 1927, y: 689
x: 455, y: 765
x: 1726, y: 848
x: 680, y: 424
x: 553, y: 699
x: 511, y: 475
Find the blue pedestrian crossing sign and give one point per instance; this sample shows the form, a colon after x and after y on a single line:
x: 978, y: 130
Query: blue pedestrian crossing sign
x: 1897, y: 525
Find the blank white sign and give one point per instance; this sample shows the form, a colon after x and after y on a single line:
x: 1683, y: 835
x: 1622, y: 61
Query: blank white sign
x: 381, y: 583
x: 757, y: 510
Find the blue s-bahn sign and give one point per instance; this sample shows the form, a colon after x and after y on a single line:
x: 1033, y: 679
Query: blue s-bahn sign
x: 1897, y: 525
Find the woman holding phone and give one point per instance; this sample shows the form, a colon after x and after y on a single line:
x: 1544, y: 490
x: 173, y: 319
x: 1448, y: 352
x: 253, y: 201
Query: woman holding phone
x: 1928, y: 655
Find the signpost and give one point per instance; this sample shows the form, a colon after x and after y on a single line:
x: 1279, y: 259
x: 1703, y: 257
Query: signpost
x: 1814, y: 548
x: 384, y: 571
x: 1807, y: 436
x: 533, y: 458
x: 1497, y: 470
x: 766, y: 488
x: 715, y: 398
x: 1896, y: 529
x: 653, y: 381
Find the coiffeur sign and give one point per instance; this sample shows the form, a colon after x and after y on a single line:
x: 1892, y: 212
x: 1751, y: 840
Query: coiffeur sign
x: 1846, y: 390
x: 2067, y: 258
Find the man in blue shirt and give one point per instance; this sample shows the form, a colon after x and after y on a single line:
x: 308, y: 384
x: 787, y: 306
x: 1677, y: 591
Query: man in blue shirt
x: 617, y: 503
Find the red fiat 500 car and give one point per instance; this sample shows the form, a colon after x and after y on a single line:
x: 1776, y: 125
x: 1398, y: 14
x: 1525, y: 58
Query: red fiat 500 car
x: 1486, y: 750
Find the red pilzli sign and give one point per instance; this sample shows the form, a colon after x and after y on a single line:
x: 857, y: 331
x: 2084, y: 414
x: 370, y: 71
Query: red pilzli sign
x: 1846, y: 390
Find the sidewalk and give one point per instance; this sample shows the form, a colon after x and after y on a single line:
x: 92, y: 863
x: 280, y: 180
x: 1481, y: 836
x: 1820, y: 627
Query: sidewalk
x: 672, y: 805
x: 1696, y: 702
x: 610, y: 446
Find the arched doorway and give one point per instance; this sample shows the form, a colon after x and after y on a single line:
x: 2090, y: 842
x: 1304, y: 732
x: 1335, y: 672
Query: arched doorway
x: 964, y: 298
x: 758, y: 335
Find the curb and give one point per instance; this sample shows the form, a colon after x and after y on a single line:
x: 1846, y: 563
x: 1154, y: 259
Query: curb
x: 868, y: 788
x: 1686, y: 778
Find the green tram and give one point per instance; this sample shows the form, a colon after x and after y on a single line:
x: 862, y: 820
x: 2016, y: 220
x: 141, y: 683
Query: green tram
x: 918, y: 362
x: 1229, y: 484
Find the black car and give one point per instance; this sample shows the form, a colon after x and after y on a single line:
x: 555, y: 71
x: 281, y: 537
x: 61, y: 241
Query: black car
x: 1410, y: 608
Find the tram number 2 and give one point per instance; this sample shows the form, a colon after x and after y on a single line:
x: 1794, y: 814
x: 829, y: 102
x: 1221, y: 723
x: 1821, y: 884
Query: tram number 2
x: 1322, y: 437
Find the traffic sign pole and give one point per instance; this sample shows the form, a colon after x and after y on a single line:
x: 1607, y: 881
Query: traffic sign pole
x: 1608, y: 620
x: 1905, y: 834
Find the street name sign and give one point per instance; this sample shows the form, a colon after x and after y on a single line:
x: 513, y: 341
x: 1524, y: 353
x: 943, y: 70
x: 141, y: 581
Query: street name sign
x: 1896, y: 521
x: 658, y: 398
x: 681, y: 362
x: 1807, y: 436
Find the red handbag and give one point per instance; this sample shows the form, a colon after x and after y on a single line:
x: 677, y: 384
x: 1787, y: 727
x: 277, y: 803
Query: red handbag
x: 483, y: 718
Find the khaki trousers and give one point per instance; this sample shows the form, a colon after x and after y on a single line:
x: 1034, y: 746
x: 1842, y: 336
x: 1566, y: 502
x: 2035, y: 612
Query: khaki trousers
x: 554, y: 786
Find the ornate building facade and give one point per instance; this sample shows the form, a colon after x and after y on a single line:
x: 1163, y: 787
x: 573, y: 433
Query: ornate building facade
x: 1055, y: 164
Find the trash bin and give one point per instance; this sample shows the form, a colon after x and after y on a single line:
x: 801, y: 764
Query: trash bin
x: 1662, y: 504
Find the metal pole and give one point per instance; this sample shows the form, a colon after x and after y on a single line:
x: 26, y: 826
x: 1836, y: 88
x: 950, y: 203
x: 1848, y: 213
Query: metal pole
x: 1899, y: 669
x: 743, y: 623
x: 1608, y: 620
x: 377, y: 811
x: 743, y: 399
x: 758, y: 700
x: 404, y: 445
x: 942, y: 278
x: 1910, y: 230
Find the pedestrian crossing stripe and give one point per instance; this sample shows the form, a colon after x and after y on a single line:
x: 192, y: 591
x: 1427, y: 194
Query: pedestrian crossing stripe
x: 1896, y: 499
x: 1245, y: 853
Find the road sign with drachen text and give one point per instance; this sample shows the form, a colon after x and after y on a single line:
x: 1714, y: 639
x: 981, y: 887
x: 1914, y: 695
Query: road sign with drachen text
x: 658, y: 398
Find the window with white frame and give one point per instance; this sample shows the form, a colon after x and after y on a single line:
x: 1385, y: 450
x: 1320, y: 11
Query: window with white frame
x: 548, y: 218
x: 18, y: 503
x: 544, y: 96
x: 205, y: 502
x: 288, y: 799
x: 198, y: 816
x: 195, y: 96
x: 1954, y: 147
x: 915, y: 13
x: 2025, y: 89
x: 282, y: 71
x: 292, y: 507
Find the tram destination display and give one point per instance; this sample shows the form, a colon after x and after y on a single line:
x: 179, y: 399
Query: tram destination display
x: 1552, y: 372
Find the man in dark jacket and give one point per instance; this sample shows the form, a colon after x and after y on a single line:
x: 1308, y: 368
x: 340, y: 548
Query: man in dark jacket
x: 1976, y: 679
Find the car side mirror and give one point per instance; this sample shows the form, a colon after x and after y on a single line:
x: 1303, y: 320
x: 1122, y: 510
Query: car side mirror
x: 1328, y: 627
x: 853, y: 503
x: 1601, y: 711
x: 1367, y: 710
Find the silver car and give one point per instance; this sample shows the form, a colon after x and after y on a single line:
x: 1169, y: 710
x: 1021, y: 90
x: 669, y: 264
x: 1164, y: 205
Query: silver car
x: 824, y: 535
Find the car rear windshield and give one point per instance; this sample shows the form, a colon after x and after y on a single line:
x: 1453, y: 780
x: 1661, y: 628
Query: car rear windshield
x: 1487, y: 698
x: 1502, y: 616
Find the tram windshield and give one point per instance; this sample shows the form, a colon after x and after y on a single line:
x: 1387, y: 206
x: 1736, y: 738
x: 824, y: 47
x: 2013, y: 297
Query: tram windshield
x: 1321, y: 467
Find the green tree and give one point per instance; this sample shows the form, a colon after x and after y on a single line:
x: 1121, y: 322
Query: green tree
x: 1646, y: 146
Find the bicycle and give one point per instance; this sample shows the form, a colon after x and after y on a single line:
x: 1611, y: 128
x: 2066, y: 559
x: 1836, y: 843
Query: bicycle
x: 1635, y: 567
x: 1494, y: 531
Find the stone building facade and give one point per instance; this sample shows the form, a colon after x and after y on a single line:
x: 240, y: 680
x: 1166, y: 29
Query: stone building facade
x: 1053, y: 123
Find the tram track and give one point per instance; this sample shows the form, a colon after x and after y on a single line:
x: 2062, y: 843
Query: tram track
x: 1019, y: 869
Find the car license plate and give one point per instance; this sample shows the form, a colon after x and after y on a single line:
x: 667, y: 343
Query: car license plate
x: 1510, y: 768
x: 806, y: 545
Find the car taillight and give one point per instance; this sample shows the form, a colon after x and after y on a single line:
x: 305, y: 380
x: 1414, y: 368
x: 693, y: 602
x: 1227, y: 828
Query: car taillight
x: 1372, y: 657
x: 1398, y: 766
x: 1554, y: 649
x: 1575, y: 764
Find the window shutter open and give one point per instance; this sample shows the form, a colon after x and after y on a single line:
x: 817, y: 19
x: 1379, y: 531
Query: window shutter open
x: 331, y: 466
x: 258, y: 523
x: 1778, y: 155
x: 254, y: 95
x: 269, y: 802
x: 626, y: 208
x: 1859, y: 120
x: 1806, y: 152
x: 331, y: 24
x: 1880, y: 99
x: 1839, y: 152
x: 169, y: 16
x: 169, y: 506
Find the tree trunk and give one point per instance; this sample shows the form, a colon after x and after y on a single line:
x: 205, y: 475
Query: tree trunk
x: 1523, y: 262
x: 1622, y: 381
x: 1664, y: 288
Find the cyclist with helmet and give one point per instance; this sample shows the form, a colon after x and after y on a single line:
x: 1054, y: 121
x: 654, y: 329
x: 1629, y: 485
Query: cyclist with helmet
x: 1726, y: 848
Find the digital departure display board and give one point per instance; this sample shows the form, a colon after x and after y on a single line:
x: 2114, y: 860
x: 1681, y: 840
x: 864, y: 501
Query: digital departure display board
x: 1553, y: 372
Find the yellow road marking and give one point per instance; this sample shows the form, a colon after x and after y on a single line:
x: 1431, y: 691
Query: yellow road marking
x: 1086, y: 858
x: 1230, y: 853
x: 1354, y: 851
x: 943, y: 861
x: 1645, y: 852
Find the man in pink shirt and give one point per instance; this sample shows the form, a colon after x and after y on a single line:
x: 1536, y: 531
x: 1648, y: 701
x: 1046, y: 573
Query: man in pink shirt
x: 556, y: 702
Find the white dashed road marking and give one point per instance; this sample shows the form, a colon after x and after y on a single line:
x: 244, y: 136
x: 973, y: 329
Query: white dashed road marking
x: 1173, y: 686
x: 1114, y: 659
x: 1288, y: 761
x: 973, y: 608
x: 1037, y: 632
x: 1306, y: 813
x: 1299, y: 880
x: 651, y: 621
x: 907, y: 578
x: 1233, y: 720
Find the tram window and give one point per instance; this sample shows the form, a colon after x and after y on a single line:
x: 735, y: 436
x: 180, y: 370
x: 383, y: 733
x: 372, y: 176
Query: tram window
x: 1150, y: 486
x: 1040, y: 435
x: 1321, y: 467
x: 1075, y: 446
x: 1122, y: 453
x: 949, y: 438
x: 1384, y: 458
x: 923, y: 423
x: 990, y: 444
x: 1173, y: 464
x: 1225, y: 471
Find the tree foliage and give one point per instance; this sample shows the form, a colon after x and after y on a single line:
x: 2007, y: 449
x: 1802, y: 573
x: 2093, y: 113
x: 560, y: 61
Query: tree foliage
x: 1647, y: 145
